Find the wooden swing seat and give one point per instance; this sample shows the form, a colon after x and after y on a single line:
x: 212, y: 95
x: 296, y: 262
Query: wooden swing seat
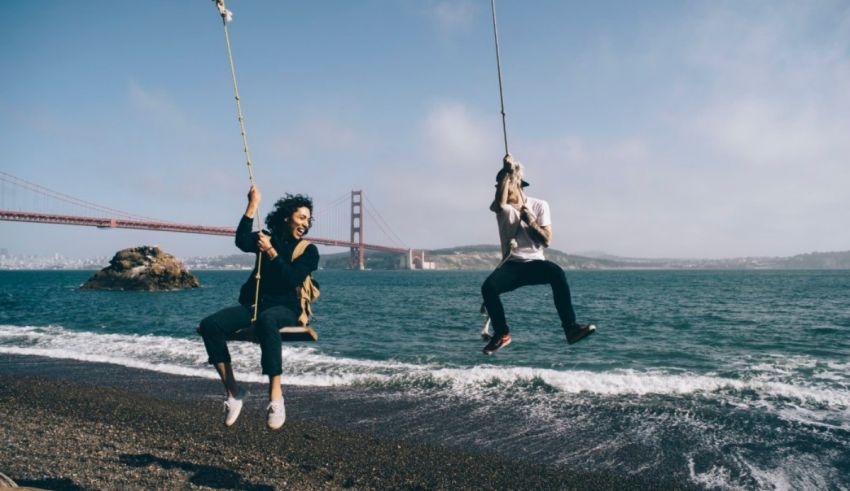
x: 287, y: 334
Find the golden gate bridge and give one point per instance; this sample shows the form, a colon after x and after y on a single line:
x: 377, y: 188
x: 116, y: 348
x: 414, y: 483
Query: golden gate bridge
x: 17, y: 193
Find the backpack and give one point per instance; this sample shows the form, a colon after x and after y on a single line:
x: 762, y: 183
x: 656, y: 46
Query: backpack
x: 307, y: 292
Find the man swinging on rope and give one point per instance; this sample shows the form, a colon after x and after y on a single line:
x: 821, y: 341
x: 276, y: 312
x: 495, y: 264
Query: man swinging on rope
x: 525, y: 229
x: 278, y: 302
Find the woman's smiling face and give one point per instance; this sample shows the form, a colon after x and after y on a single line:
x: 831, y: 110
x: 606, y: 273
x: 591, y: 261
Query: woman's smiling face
x: 299, y: 222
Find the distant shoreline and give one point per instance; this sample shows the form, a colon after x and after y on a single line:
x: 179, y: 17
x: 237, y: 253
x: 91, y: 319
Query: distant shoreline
x: 473, y: 270
x: 480, y: 258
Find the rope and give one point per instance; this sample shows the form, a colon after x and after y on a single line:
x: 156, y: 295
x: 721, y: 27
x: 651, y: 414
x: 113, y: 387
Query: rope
x: 499, y: 69
x: 227, y: 16
x: 501, y: 89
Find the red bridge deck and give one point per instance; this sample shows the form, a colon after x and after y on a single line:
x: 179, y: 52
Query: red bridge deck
x: 18, y: 216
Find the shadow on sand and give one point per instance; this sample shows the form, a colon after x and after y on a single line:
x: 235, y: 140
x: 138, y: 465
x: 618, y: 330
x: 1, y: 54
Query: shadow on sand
x: 61, y: 484
x: 203, y: 475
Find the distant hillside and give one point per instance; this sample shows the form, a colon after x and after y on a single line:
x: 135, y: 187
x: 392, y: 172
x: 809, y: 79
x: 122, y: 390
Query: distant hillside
x: 472, y: 257
x: 487, y: 256
x: 339, y: 260
x: 477, y: 257
x: 816, y: 260
x: 483, y: 257
x: 373, y: 260
x: 813, y: 260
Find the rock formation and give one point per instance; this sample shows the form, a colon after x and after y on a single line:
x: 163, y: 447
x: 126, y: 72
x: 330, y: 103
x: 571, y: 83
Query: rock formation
x: 142, y: 268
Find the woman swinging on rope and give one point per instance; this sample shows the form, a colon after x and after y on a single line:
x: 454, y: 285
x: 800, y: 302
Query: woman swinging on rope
x: 277, y: 300
x: 277, y: 303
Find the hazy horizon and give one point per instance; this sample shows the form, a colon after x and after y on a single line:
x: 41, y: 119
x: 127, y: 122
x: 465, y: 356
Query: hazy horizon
x: 325, y: 250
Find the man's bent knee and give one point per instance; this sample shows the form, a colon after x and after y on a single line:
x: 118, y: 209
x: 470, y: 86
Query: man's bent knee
x: 555, y: 272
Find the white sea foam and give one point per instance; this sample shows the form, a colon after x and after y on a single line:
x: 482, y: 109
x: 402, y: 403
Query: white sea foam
x: 795, y: 471
x: 717, y: 477
x: 802, y: 401
x: 640, y: 383
x: 303, y: 366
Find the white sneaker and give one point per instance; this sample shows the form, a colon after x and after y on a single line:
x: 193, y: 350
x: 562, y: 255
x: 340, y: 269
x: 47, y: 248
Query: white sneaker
x: 233, y: 406
x: 276, y: 413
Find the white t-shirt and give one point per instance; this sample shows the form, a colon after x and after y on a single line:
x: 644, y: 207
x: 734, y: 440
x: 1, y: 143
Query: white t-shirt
x: 512, y: 227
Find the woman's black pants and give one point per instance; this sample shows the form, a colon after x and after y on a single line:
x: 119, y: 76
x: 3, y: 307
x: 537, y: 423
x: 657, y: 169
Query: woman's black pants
x: 218, y: 326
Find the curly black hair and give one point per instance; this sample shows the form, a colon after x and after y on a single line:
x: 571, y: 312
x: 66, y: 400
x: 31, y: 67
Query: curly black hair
x: 284, y: 208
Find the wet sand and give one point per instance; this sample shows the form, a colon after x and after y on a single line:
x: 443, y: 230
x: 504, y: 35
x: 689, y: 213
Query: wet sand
x: 75, y: 425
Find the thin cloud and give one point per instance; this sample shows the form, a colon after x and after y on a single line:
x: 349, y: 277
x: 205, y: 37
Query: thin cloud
x: 748, y: 157
x: 320, y: 136
x: 444, y: 191
x: 744, y: 155
x: 315, y: 155
x: 775, y: 116
x: 454, y: 15
x: 159, y: 107
x: 183, y: 164
x: 774, y: 99
x: 455, y: 136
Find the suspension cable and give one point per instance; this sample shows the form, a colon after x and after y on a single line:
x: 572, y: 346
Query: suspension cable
x: 86, y: 205
x: 390, y: 233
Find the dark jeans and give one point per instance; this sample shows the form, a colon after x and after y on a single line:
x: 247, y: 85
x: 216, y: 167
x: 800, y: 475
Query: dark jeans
x: 218, y: 326
x: 513, y: 275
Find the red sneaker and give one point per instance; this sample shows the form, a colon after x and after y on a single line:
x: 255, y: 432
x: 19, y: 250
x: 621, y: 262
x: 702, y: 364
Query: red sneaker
x: 579, y: 332
x: 497, y: 343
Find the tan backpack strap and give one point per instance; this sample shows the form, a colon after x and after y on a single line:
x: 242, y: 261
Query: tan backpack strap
x: 304, y: 316
x: 299, y: 249
x: 306, y: 312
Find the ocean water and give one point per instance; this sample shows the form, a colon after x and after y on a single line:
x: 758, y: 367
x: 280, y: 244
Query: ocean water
x: 720, y: 379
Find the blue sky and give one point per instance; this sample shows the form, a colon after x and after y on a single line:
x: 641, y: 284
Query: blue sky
x: 654, y: 129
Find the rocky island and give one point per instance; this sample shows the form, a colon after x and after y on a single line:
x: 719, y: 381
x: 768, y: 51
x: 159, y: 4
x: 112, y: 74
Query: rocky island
x: 144, y: 268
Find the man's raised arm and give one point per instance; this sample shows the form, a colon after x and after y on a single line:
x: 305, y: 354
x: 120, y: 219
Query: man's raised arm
x: 501, y: 198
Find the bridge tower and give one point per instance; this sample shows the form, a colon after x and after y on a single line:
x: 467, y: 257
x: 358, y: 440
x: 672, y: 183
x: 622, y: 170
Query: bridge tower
x: 357, y: 252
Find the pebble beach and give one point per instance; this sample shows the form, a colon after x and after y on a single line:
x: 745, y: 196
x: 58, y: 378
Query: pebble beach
x: 72, y: 425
